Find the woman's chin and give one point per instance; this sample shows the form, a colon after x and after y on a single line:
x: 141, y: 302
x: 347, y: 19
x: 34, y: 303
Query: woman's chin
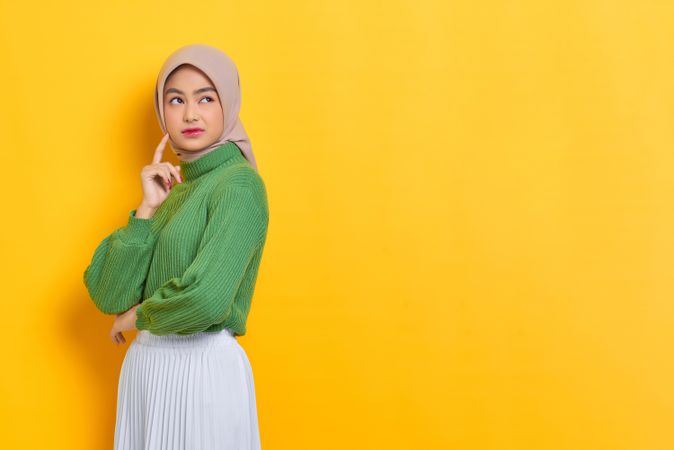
x: 194, y: 144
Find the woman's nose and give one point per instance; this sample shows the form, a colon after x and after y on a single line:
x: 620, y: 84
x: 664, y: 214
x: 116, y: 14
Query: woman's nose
x: 191, y: 113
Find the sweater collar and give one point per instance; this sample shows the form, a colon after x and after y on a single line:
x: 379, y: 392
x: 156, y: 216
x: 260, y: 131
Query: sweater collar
x: 219, y: 155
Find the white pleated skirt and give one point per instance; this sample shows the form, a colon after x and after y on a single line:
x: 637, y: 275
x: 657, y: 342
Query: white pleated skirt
x: 193, y: 392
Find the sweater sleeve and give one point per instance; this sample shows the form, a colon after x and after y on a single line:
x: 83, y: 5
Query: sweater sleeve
x: 204, y: 294
x: 116, y: 275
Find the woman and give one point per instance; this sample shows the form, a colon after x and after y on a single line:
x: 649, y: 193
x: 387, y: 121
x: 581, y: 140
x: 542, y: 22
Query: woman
x: 183, y: 269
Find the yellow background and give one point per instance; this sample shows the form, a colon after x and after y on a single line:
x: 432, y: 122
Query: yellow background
x: 471, y: 235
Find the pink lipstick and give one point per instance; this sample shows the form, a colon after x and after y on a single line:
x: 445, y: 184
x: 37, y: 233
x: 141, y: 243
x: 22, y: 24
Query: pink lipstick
x: 191, y: 132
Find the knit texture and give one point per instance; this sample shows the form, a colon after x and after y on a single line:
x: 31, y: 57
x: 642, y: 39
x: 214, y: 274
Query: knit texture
x: 193, y: 265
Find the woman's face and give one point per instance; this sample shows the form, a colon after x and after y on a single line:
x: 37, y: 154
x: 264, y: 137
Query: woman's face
x: 191, y: 101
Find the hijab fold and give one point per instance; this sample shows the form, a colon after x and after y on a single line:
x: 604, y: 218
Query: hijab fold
x: 225, y: 77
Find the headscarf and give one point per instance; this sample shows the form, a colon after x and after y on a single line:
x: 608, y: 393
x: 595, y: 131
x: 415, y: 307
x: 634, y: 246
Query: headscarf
x: 225, y: 77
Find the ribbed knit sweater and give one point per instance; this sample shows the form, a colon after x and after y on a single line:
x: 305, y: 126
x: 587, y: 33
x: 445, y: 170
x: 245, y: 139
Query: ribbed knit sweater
x: 193, y: 265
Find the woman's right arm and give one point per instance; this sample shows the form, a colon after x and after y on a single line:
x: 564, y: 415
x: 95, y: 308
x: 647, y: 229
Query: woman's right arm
x: 116, y: 276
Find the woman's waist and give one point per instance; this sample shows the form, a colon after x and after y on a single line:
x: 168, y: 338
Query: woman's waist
x: 199, y: 339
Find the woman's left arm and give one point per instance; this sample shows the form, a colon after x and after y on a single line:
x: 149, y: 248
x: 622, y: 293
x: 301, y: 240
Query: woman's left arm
x: 204, y: 294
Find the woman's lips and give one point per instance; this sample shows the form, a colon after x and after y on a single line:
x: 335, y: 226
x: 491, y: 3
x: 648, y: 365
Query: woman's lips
x: 193, y: 132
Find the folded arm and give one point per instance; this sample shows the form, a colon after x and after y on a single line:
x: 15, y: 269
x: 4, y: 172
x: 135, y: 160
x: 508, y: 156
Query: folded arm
x: 117, y: 272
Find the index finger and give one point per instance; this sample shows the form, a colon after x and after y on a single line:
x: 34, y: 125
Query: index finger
x: 159, y: 151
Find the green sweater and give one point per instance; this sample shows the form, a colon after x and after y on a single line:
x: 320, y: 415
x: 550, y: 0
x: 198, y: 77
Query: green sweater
x: 194, y: 263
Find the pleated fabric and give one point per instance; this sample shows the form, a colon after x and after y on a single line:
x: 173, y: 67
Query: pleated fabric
x: 191, y: 392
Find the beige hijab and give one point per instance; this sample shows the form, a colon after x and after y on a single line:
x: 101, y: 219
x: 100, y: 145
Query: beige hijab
x: 225, y: 77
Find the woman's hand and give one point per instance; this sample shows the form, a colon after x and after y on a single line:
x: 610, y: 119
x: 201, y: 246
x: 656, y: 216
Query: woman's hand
x: 123, y: 322
x: 156, y: 178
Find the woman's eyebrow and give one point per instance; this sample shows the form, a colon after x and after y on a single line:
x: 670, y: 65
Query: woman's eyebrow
x: 198, y: 91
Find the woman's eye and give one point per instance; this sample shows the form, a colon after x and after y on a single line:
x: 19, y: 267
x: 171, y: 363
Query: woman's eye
x: 175, y: 98
x: 210, y: 98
